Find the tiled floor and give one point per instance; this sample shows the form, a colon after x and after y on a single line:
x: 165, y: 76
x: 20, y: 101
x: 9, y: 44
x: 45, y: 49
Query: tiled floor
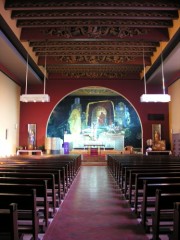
x: 94, y: 210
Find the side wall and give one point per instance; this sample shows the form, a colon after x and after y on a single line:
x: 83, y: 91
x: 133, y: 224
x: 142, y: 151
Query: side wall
x: 174, y: 113
x: 9, y: 116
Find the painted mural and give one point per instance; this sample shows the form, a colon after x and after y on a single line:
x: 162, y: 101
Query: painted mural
x: 111, y: 121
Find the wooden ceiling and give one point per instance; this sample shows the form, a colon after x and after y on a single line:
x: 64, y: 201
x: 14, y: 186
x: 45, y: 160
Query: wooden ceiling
x: 94, y: 39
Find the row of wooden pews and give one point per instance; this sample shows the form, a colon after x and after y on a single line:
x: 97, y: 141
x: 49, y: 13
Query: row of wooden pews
x: 9, y: 221
x: 32, y: 189
x: 151, y: 185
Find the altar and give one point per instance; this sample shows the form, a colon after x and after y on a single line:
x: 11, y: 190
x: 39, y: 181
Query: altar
x: 105, y: 140
x: 29, y: 152
x: 94, y: 148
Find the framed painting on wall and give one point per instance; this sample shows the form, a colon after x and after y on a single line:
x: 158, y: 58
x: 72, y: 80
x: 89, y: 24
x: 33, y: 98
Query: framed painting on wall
x: 31, y: 136
x: 156, y: 132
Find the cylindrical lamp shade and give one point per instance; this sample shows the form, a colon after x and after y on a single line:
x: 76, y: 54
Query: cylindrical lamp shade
x: 48, y: 145
x: 55, y: 145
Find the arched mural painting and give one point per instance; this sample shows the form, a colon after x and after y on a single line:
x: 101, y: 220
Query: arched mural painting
x: 109, y: 120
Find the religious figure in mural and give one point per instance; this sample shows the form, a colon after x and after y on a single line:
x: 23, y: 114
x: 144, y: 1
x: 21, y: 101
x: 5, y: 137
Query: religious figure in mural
x: 101, y: 119
x: 122, y: 115
x: 31, y: 139
x: 93, y: 118
x: 75, y: 122
x: 156, y: 136
x: 94, y: 131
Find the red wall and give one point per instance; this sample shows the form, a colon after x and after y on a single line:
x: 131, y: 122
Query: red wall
x: 57, y: 89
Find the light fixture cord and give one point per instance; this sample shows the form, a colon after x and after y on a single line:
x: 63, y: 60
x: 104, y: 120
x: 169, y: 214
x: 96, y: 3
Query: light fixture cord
x: 163, y: 81
x: 27, y: 63
x: 145, y: 90
x: 45, y: 75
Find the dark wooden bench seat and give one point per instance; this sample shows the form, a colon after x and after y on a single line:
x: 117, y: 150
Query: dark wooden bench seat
x: 73, y: 162
x: 36, y: 179
x: 149, y: 192
x: 36, y: 175
x: 116, y: 163
x: 9, y: 222
x: 26, y: 172
x: 28, y: 220
x: 129, y: 178
x: 129, y: 173
x: 57, y: 185
x: 128, y: 164
x: 122, y: 171
x: 41, y: 197
x: 41, y: 164
x: 176, y: 220
x: 135, y: 183
x: 75, y: 159
x: 64, y: 179
x: 154, y: 177
x: 164, y: 209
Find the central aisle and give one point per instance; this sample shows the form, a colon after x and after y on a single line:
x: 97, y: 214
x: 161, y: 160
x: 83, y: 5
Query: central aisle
x: 93, y: 210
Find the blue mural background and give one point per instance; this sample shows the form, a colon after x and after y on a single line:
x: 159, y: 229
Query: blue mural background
x: 79, y: 114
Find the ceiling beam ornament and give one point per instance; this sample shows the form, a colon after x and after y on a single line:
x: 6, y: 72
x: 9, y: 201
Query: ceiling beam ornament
x: 65, y: 5
x: 99, y: 44
x: 96, y: 71
x: 144, y: 23
x: 93, y: 75
x: 95, y: 59
x: 101, y: 50
x: 115, y: 34
x: 85, y: 60
x: 96, y: 14
x: 94, y: 39
x: 107, y: 55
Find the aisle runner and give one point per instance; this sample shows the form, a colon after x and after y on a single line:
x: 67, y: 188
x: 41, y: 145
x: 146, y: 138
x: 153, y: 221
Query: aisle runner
x: 94, y: 164
x: 94, y: 209
x: 89, y: 158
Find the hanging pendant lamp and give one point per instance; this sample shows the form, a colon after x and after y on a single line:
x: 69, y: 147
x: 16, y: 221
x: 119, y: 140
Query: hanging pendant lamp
x: 35, y: 97
x: 155, y: 97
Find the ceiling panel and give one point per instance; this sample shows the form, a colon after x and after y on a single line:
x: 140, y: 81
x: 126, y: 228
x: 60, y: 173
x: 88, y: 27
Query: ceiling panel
x: 96, y: 39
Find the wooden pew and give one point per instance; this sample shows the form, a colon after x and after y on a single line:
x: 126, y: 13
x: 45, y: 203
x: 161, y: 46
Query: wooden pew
x: 117, y: 169
x: 75, y: 159
x: 35, y: 180
x: 38, y: 178
x: 63, y: 177
x: 40, y: 173
x: 164, y: 205
x: 63, y: 173
x: 149, y: 191
x: 151, y: 176
x: 9, y: 222
x: 117, y: 163
x: 128, y: 163
x: 129, y: 178
x: 44, y: 164
x: 26, y: 211
x: 176, y: 220
x: 72, y: 161
x: 68, y: 166
x: 60, y: 170
x: 41, y: 197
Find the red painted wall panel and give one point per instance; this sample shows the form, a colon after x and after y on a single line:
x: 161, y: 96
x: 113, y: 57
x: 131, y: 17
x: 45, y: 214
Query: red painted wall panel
x: 57, y: 89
